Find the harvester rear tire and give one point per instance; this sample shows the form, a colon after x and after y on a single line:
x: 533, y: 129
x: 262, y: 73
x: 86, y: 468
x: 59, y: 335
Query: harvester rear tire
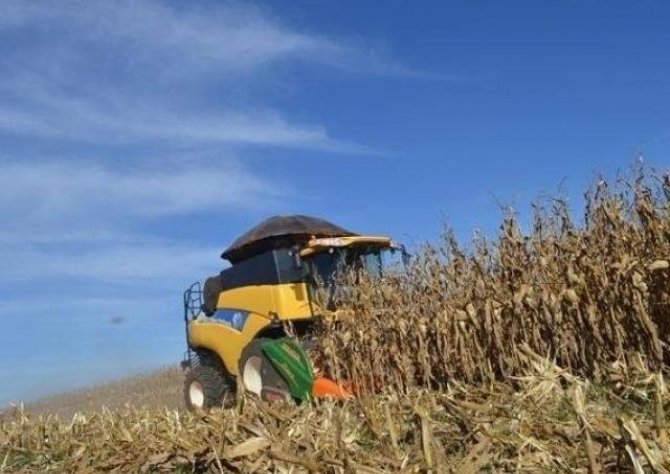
x: 259, y: 376
x: 207, y: 385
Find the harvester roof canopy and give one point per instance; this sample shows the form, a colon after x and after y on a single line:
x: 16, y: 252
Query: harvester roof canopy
x: 281, y: 231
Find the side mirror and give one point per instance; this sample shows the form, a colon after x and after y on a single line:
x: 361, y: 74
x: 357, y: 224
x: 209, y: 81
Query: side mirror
x: 406, y: 257
x: 297, y: 260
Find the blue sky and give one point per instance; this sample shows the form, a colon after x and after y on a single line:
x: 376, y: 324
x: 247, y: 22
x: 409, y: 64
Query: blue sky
x: 138, y: 138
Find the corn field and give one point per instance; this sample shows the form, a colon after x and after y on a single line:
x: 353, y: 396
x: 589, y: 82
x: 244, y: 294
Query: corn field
x: 594, y: 298
x: 537, y: 351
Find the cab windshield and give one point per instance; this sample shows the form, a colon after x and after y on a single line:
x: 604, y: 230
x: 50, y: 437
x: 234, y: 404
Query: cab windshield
x: 328, y: 271
x: 328, y: 266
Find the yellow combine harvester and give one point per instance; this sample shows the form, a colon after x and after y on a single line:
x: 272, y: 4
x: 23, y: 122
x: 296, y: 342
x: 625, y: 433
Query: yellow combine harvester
x: 236, y: 322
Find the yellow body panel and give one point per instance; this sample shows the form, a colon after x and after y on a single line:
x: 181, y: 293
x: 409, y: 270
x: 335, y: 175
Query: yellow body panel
x: 223, y: 339
x: 264, y: 303
x: 254, y: 299
x: 291, y: 301
x: 285, y: 301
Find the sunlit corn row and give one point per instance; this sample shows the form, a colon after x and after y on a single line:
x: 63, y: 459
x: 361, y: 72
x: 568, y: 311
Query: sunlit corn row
x: 551, y: 422
x: 593, y: 294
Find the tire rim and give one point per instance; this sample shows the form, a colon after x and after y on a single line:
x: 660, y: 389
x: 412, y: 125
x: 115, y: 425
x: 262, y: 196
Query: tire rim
x: 251, y: 376
x: 196, y: 394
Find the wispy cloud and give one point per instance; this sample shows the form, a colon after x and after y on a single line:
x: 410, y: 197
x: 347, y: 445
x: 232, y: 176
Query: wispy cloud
x: 34, y: 107
x: 168, y: 264
x: 126, y: 71
x: 77, y: 220
x: 91, y: 124
x: 47, y: 191
x: 231, y: 37
x: 74, y: 220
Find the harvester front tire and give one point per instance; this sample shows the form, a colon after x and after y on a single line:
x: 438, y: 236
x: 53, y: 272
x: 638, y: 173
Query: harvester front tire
x: 258, y: 375
x: 207, y: 385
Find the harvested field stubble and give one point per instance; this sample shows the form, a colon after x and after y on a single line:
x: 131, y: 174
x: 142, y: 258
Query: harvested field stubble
x: 161, y: 388
x: 545, y: 352
x: 552, y: 422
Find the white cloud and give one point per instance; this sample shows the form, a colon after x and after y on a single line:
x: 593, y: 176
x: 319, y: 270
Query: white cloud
x: 72, y: 220
x: 136, y: 71
x: 48, y: 191
x: 166, y: 264
x: 227, y: 36
x: 185, y: 39
x: 88, y: 121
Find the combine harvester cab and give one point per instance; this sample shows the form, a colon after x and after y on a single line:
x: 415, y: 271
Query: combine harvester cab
x: 235, y: 322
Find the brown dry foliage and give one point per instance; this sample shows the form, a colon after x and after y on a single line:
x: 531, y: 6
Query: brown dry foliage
x: 593, y: 298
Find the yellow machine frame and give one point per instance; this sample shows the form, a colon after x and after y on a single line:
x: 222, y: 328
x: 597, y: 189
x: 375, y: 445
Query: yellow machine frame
x: 264, y: 305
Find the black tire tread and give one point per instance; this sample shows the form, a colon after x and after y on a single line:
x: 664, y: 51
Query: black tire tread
x: 219, y: 387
